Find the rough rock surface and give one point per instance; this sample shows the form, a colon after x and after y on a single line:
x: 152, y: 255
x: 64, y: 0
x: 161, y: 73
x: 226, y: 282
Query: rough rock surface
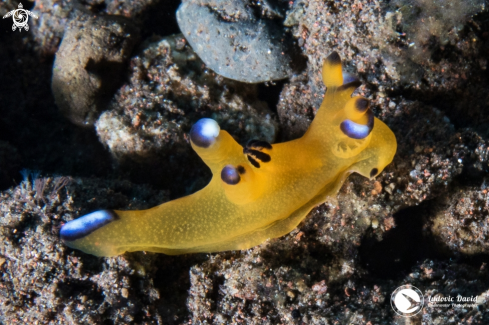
x: 176, y: 91
x: 169, y: 89
x: 462, y: 217
x: 42, y: 282
x: 240, y: 40
x: 30, y: 121
x: 90, y: 64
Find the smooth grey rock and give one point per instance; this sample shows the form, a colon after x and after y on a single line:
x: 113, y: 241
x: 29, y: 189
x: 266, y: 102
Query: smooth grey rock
x: 236, y: 42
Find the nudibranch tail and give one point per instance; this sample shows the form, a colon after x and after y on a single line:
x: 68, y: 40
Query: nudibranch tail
x: 87, y: 224
x: 258, y: 191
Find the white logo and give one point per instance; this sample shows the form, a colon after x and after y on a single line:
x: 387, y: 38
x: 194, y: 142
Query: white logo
x: 407, y: 300
x: 20, y: 17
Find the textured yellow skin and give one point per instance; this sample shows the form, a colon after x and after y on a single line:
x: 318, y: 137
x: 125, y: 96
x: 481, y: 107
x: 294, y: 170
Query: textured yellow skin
x: 268, y: 202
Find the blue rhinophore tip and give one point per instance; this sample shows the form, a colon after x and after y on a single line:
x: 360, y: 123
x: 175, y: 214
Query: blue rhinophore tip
x: 358, y: 131
x: 204, y: 133
x: 87, y: 224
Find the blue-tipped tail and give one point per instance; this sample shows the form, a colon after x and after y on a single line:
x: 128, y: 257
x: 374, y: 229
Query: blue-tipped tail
x: 87, y: 224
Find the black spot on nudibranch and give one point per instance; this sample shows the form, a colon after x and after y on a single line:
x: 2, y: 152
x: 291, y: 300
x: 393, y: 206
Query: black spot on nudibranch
x: 230, y: 174
x: 84, y: 226
x: 241, y: 170
x: 362, y: 104
x: 373, y: 172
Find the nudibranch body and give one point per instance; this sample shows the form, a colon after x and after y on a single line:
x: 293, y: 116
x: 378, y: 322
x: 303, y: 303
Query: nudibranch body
x: 257, y: 192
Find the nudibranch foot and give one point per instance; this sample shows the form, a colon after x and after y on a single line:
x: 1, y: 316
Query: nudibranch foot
x: 257, y: 192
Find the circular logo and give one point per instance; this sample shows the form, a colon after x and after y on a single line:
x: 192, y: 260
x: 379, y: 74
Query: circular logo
x: 407, y: 300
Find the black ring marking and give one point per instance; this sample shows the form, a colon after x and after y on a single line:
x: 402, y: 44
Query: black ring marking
x: 373, y: 172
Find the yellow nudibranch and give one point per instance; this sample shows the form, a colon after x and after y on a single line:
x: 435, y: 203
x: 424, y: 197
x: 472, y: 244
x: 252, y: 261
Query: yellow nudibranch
x: 257, y: 192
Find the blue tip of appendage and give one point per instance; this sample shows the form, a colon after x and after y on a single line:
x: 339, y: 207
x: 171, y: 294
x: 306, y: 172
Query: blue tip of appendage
x: 354, y: 130
x: 87, y: 224
x: 204, y: 133
x: 230, y: 175
x: 358, y: 131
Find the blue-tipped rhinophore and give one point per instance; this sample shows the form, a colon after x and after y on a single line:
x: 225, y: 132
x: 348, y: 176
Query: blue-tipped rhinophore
x: 87, y: 224
x: 204, y: 133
